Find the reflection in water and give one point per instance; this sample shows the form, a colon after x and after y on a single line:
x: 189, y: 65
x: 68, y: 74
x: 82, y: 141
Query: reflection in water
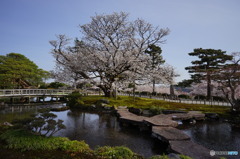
x: 214, y: 135
x: 103, y: 129
x: 10, y: 113
x: 15, y: 112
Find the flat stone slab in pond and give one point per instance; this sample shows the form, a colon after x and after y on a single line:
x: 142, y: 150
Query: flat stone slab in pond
x: 125, y: 115
x: 180, y: 116
x: 169, y: 133
x: 161, y: 120
x: 186, y: 116
x: 191, y: 149
x: 134, y: 118
x: 197, y: 115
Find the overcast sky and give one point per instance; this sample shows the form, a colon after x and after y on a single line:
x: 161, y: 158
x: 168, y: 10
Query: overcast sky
x: 26, y: 26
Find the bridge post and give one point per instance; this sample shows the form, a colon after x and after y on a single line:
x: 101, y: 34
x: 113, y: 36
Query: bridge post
x: 43, y: 99
x: 37, y: 99
x: 12, y: 100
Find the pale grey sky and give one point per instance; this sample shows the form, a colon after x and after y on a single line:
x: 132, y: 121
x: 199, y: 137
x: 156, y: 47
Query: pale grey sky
x: 26, y: 26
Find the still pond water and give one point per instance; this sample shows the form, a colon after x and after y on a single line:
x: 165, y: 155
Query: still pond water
x: 104, y: 129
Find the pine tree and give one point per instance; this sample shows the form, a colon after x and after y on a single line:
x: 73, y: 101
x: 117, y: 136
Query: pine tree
x: 155, y: 53
x: 17, y: 71
x: 209, y: 61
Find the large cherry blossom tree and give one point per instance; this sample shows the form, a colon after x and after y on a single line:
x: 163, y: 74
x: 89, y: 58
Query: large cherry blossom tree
x: 110, y: 50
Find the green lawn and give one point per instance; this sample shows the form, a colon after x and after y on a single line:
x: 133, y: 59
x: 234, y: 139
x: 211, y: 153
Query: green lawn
x: 145, y: 103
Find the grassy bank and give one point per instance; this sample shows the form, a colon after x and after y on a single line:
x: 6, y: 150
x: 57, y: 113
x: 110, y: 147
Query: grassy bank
x: 15, y: 143
x: 146, y: 103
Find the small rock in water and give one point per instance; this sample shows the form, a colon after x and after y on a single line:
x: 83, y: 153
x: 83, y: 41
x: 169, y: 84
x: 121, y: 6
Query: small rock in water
x: 146, y: 113
x: 107, y: 108
x: 179, y: 122
x: 135, y: 110
x: 192, y: 121
x: 212, y: 115
x: 7, y: 124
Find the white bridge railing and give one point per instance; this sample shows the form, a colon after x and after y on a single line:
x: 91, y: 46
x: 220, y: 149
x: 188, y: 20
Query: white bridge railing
x: 33, y: 92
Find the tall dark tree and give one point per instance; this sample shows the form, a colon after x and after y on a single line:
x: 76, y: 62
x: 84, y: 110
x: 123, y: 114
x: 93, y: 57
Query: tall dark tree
x: 17, y: 71
x: 155, y: 53
x: 208, y: 61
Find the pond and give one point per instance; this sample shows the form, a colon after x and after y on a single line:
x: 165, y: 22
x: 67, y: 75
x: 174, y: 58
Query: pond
x: 215, y: 135
x: 104, y: 129
x: 96, y: 129
x: 99, y: 129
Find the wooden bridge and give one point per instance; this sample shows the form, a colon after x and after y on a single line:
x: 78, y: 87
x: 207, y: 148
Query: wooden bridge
x: 33, y: 92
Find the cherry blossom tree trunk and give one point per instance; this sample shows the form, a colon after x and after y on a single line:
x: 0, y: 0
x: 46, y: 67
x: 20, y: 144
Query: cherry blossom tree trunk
x: 107, y: 90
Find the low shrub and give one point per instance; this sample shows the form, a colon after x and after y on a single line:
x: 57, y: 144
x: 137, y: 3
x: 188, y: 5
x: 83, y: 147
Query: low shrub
x: 118, y: 152
x: 184, y: 96
x: 25, y: 141
x: 101, y: 102
x: 154, y: 93
x: 73, y: 146
x: 137, y: 93
x: 216, y: 98
x: 154, y: 110
x: 200, y: 97
x: 184, y: 157
x: 159, y: 157
x: 165, y: 95
x: 75, y: 100
x: 145, y: 93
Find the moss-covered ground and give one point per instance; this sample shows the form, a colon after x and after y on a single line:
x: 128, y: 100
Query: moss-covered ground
x: 146, y: 103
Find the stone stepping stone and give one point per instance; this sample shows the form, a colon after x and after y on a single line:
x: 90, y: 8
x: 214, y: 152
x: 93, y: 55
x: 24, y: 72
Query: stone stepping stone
x: 191, y: 149
x: 127, y: 116
x: 161, y: 120
x: 169, y: 133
